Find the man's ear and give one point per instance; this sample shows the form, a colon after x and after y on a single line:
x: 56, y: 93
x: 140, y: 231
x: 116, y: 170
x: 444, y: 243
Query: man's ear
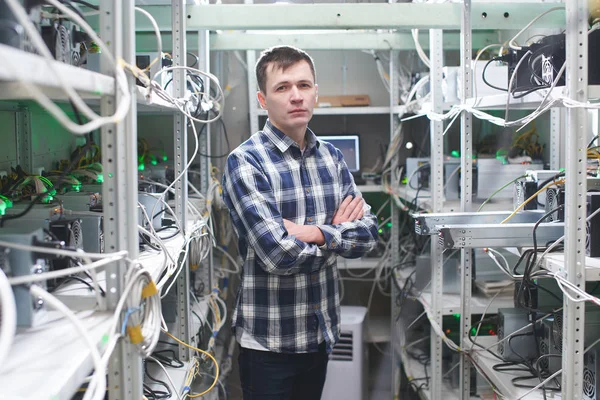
x: 261, y: 99
x: 317, y: 96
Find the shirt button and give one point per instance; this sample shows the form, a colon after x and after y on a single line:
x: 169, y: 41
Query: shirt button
x: 310, y: 219
x: 314, y: 278
x: 307, y: 190
x: 316, y: 306
x: 353, y: 246
x: 332, y: 244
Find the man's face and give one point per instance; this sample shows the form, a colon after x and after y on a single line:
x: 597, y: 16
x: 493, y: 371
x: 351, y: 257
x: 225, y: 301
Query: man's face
x: 290, y: 96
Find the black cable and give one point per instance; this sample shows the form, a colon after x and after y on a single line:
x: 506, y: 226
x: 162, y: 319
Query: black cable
x: 483, y: 74
x: 153, y: 379
x: 79, y: 279
x: 196, y: 59
x: 226, y: 140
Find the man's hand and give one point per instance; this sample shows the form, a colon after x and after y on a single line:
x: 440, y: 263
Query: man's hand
x: 305, y: 233
x: 350, y: 210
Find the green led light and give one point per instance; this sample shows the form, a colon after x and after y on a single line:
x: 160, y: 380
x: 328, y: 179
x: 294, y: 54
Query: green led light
x: 457, y: 316
x: 473, y: 331
x: 110, y: 175
x: 380, y: 231
x: 455, y: 153
x: 8, y: 202
x: 100, y: 178
x: 165, y: 158
x: 562, y: 170
x: 2, y: 208
x: 389, y: 224
x: 154, y: 162
x: 141, y: 167
x: 76, y: 188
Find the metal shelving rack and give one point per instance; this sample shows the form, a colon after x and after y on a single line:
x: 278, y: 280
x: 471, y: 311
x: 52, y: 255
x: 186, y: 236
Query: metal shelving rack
x: 119, y: 140
x: 391, y: 16
x: 116, y: 25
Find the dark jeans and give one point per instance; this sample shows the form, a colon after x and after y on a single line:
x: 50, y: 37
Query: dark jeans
x: 274, y: 376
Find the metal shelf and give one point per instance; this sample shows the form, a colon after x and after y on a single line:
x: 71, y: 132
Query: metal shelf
x: 346, y: 110
x: 50, y: 361
x: 370, y: 188
x: 502, y: 380
x: 36, y: 69
x: 451, y: 302
x: 556, y: 263
x: 357, y: 263
x: 529, y: 102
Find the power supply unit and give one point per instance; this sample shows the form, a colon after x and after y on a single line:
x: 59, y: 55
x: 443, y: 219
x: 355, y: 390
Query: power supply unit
x: 21, y: 262
x: 527, y: 186
x: 591, y: 369
x: 551, y: 356
x: 520, y: 346
x: 555, y: 197
x: 592, y: 243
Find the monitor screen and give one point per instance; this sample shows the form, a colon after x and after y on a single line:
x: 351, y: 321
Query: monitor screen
x: 349, y: 146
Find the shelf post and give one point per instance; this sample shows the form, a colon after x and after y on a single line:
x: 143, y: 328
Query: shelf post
x: 575, y: 196
x: 437, y: 200
x: 395, y: 214
x: 120, y: 191
x: 205, y: 148
x: 178, y: 18
x: 466, y: 184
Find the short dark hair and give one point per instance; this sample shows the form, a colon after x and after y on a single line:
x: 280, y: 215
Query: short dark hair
x: 281, y: 57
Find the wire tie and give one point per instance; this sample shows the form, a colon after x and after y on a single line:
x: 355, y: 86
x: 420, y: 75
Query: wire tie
x: 135, y: 334
x: 149, y: 290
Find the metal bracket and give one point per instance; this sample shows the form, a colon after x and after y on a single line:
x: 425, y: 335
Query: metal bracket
x: 429, y: 224
x: 497, y: 235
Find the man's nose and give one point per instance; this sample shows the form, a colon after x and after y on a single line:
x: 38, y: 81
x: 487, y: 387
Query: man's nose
x: 296, y: 95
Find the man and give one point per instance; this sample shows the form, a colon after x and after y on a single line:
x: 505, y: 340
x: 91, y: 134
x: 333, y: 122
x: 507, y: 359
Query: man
x: 295, y: 208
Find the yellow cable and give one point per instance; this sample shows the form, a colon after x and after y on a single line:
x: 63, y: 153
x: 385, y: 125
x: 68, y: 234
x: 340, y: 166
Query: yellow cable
x: 202, y: 352
x: 559, y: 182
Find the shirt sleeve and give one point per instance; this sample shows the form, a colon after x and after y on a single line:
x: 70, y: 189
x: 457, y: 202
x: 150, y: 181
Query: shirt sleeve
x: 351, y: 239
x: 252, y: 204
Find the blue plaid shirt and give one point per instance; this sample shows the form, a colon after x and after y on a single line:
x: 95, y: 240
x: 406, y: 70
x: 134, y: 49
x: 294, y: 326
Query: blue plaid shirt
x: 288, y: 288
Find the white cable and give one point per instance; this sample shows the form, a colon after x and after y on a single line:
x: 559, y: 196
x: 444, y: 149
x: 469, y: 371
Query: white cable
x: 177, y: 178
x: 156, y: 32
x: 25, y: 279
x: 96, y: 121
x: 175, y: 389
x: 8, y: 315
x: 99, y: 388
x: 237, y: 266
x: 512, y: 43
x: 181, y: 103
x: 420, y: 51
x: 65, y: 253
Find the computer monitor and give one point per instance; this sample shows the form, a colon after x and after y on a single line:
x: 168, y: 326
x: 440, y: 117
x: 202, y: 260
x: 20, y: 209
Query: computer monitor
x: 349, y: 146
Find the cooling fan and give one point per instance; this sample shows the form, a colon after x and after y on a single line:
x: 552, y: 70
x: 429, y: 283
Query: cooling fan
x: 65, y: 42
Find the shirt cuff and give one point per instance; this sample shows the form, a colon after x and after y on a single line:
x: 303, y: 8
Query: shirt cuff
x: 333, y: 237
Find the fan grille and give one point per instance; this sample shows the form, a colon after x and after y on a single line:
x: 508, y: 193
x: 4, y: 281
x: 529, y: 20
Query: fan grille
x: 544, y: 363
x: 557, y: 332
x: 589, y: 383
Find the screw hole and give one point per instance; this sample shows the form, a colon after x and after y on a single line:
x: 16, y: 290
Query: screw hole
x: 506, y: 15
x: 484, y: 15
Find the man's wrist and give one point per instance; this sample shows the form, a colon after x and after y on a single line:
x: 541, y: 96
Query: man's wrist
x: 319, y: 237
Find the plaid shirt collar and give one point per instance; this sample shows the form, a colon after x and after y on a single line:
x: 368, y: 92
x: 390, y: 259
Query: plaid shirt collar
x: 283, y: 142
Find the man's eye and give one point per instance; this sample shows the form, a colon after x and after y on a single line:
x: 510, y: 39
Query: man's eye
x: 280, y: 88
